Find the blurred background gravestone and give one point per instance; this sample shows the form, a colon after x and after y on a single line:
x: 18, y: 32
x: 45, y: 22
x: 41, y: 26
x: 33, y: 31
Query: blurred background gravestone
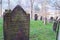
x: 52, y: 19
x: 45, y: 20
x: 16, y: 24
x: 36, y: 17
x: 41, y: 18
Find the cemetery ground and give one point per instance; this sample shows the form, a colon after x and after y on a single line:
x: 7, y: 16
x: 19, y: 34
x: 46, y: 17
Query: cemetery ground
x: 38, y: 31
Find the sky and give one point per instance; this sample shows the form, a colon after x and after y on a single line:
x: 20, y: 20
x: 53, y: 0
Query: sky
x: 26, y: 3
x: 5, y: 4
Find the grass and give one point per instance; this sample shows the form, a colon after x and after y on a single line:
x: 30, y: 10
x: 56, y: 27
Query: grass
x: 1, y: 29
x: 38, y: 31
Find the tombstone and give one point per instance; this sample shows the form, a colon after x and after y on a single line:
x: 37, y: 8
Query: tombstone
x: 45, y: 20
x: 36, y: 16
x: 56, y: 17
x: 55, y: 24
x: 58, y: 30
x: 51, y: 19
x: 16, y: 24
x: 41, y: 18
x: 59, y: 20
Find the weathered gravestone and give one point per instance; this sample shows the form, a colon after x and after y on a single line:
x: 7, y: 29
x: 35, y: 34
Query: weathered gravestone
x: 41, y: 18
x: 51, y: 19
x: 55, y: 24
x: 45, y: 20
x: 36, y: 16
x: 58, y: 30
x: 16, y: 24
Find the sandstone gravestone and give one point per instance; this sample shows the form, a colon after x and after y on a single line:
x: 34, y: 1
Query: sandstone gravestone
x: 36, y: 16
x: 16, y: 24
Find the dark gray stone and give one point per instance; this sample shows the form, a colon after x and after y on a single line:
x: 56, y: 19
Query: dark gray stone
x: 36, y: 16
x: 55, y: 25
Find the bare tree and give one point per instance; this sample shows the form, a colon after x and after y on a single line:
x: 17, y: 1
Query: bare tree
x: 57, y: 6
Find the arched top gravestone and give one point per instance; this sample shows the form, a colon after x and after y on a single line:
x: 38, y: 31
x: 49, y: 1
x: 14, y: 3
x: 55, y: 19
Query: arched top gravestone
x: 16, y: 24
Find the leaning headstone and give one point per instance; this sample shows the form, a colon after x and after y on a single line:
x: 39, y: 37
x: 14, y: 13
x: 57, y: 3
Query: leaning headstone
x: 36, y: 16
x: 16, y: 24
x: 55, y: 25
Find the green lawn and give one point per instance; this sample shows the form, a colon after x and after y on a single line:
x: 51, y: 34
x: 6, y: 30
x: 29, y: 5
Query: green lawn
x: 38, y: 31
x: 1, y: 29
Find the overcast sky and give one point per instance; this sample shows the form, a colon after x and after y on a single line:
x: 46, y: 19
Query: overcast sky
x: 25, y: 3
